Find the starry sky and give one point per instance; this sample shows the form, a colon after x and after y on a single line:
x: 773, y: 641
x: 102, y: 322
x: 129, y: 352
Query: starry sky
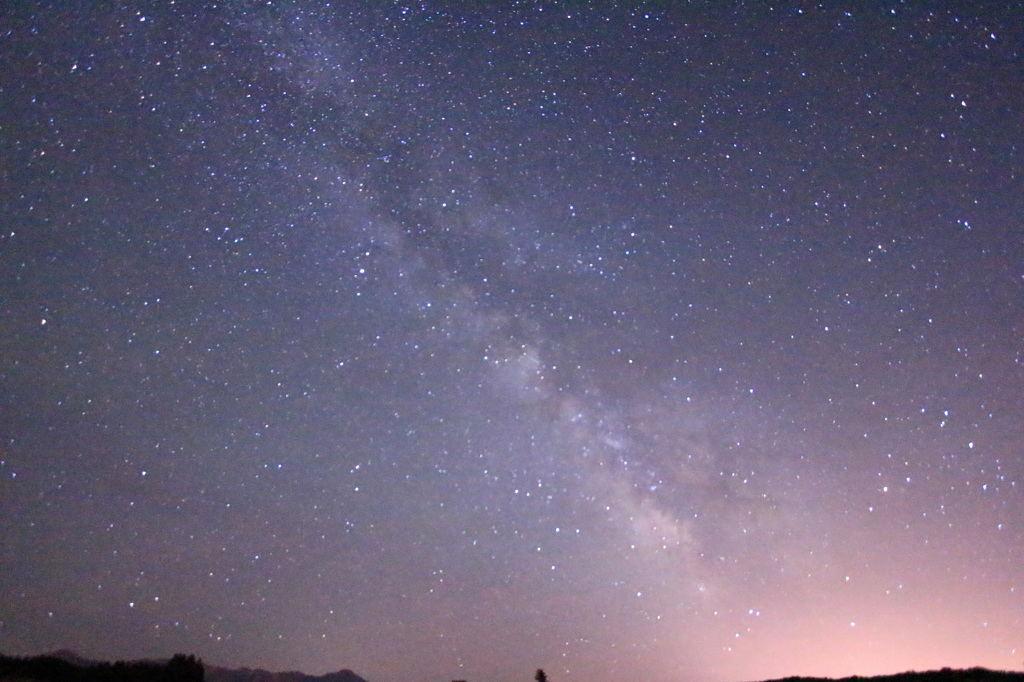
x: 666, y: 341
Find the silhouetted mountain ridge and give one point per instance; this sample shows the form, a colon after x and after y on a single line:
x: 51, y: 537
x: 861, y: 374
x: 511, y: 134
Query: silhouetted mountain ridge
x: 218, y: 674
x: 944, y: 675
x: 71, y: 656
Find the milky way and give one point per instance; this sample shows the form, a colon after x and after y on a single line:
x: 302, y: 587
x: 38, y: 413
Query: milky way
x: 457, y: 340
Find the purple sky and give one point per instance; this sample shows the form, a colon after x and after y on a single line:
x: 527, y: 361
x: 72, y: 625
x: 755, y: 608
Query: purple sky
x: 454, y: 340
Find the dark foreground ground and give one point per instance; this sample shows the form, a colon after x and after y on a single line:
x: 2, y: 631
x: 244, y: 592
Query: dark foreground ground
x: 180, y: 668
x: 66, y: 666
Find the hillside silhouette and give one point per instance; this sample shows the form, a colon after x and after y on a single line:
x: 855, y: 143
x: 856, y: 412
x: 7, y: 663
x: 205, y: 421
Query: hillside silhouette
x: 944, y: 675
x: 69, y: 666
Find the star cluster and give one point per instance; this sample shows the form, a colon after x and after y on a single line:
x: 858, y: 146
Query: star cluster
x: 453, y: 340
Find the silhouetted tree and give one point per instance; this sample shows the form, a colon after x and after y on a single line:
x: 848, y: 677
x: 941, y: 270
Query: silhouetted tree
x: 182, y: 668
x: 540, y: 676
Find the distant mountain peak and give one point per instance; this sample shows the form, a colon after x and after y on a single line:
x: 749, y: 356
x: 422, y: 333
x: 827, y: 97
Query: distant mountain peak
x: 70, y: 656
x: 219, y: 674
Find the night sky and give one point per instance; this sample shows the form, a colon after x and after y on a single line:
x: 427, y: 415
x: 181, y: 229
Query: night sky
x: 680, y: 341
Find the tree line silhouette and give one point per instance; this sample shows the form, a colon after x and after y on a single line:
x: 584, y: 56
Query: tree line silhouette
x: 180, y: 668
